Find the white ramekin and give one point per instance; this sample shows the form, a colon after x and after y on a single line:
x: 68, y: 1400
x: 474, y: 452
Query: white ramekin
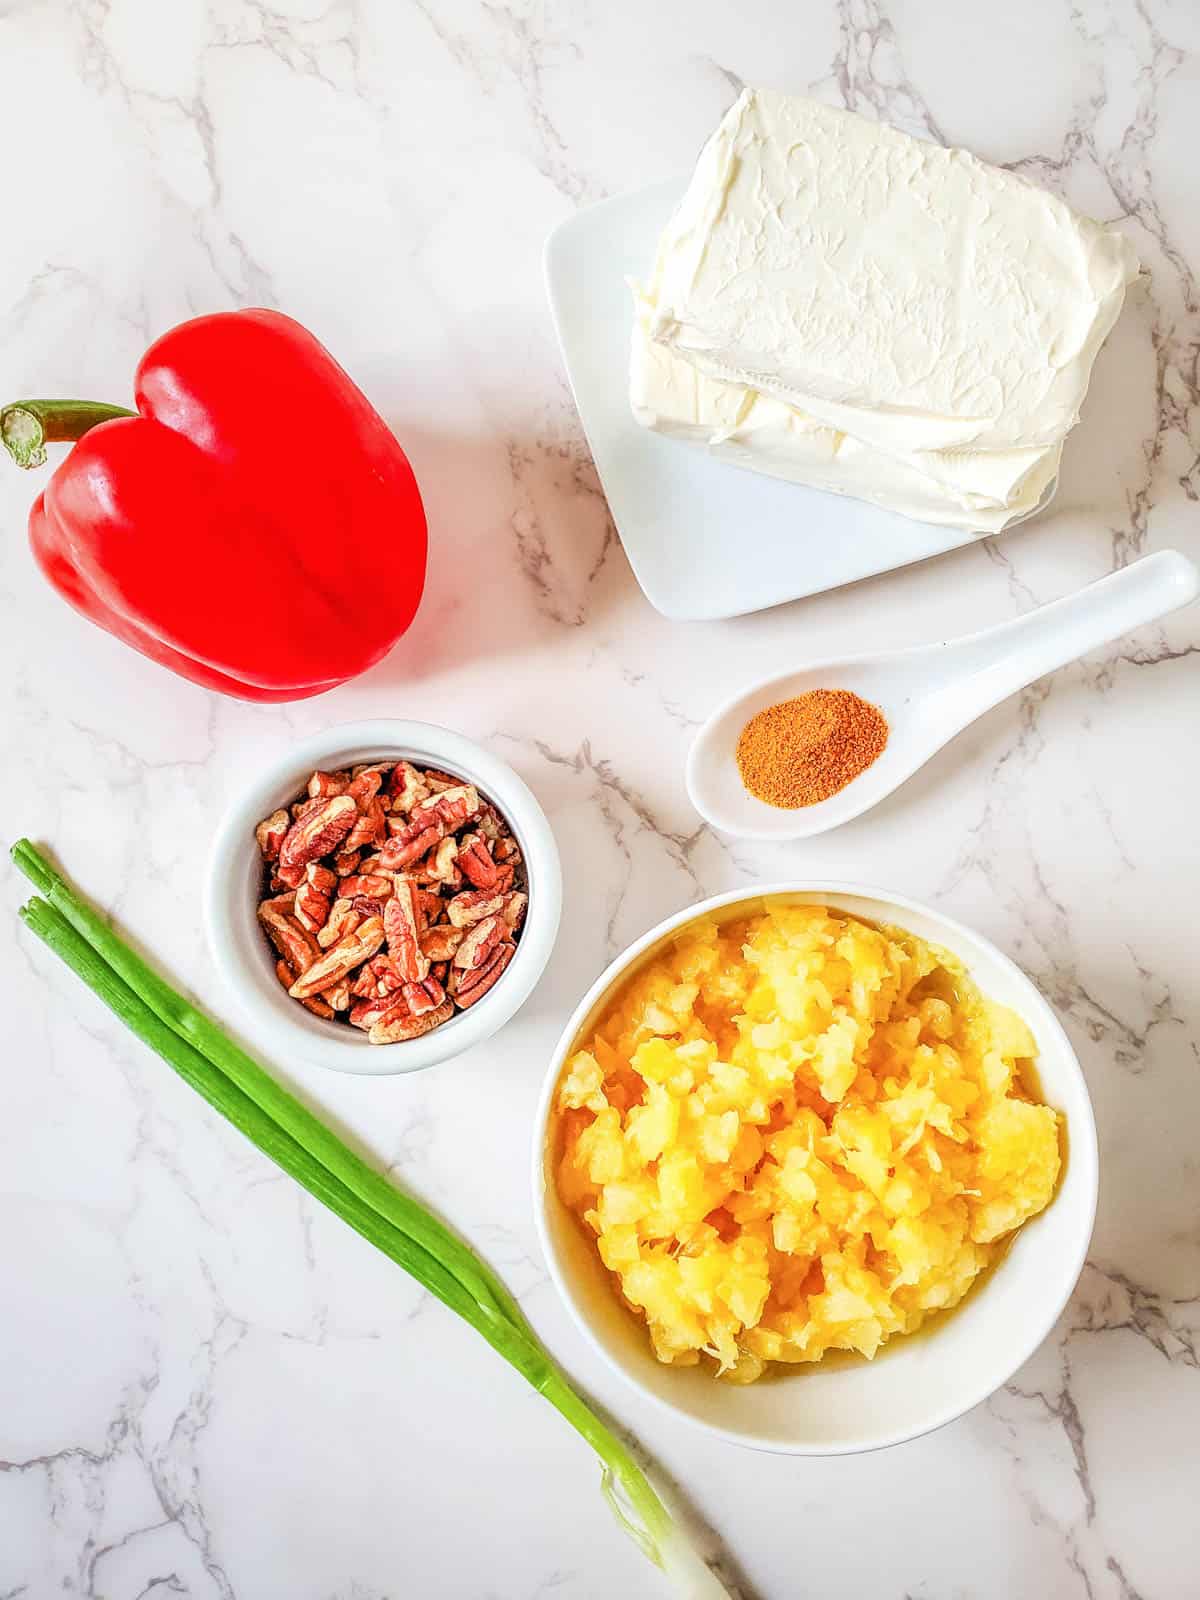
x: 246, y: 962
x: 914, y: 1384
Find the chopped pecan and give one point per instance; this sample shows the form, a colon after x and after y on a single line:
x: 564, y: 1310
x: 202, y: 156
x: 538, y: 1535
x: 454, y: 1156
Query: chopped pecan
x: 479, y: 943
x: 438, y: 780
x: 316, y: 834
x: 364, y: 986
x: 314, y: 895
x: 424, y: 996
x: 376, y: 979
x: 428, y: 823
x: 467, y: 987
x: 338, y: 995
x: 473, y: 905
x: 378, y: 1008
x: 431, y: 907
x: 343, y: 919
x: 440, y: 943
x: 370, y: 827
x: 402, y: 920
x: 387, y: 979
x: 400, y: 888
x: 515, y: 905
x: 312, y: 1002
x: 489, y: 823
x: 452, y: 808
x: 340, y: 958
x: 285, y: 933
x: 441, y: 865
x: 406, y: 787
x: 408, y: 1027
x: 270, y: 833
x: 399, y: 850
x: 476, y: 862
x: 364, y: 786
x: 322, y: 785
x: 377, y: 884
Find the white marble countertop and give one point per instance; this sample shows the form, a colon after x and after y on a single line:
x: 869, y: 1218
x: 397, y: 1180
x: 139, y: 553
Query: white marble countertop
x: 208, y: 1386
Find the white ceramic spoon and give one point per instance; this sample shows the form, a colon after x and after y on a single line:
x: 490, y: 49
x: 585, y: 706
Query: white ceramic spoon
x: 928, y: 694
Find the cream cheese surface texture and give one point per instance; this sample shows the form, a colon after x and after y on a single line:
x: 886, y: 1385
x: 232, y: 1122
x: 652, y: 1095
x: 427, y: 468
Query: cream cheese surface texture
x: 838, y: 303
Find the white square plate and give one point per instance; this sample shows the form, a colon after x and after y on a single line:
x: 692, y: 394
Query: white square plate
x: 705, y: 538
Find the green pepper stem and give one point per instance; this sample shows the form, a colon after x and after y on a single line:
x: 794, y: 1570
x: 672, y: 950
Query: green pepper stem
x: 29, y: 425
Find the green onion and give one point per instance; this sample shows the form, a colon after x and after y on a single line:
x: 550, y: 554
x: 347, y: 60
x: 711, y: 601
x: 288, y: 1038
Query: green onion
x: 276, y: 1122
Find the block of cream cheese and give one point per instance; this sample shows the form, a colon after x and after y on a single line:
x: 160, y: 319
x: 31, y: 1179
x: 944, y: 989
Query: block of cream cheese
x: 840, y: 304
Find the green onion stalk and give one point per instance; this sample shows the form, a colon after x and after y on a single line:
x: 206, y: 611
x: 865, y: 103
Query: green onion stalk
x: 284, y: 1129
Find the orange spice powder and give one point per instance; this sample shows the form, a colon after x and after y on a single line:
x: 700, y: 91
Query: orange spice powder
x: 801, y: 751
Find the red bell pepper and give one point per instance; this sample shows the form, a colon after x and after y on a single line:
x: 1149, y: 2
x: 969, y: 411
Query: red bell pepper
x: 254, y: 525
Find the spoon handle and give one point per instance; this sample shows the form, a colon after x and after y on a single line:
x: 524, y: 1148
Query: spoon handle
x: 989, y: 666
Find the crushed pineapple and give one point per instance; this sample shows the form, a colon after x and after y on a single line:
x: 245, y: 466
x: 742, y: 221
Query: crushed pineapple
x: 795, y: 1132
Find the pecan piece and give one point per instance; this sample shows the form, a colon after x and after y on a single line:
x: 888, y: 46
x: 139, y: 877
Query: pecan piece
x: 322, y: 785
x: 479, y: 943
x: 431, y: 907
x: 285, y: 933
x: 364, y: 986
x: 364, y: 786
x: 314, y: 896
x: 400, y: 850
x: 402, y: 921
x: 467, y: 987
x: 370, y: 827
x: 408, y: 1027
x: 476, y: 863
x: 344, y: 918
x: 441, y: 866
x: 473, y: 905
x: 490, y: 823
x: 313, y: 1003
x: 377, y: 884
x: 337, y: 995
x: 424, y: 997
x: 452, y: 808
x: 438, y: 780
x: 340, y: 958
x: 387, y: 979
x: 378, y: 1008
x: 316, y: 834
x: 376, y: 979
x: 514, y: 908
x: 270, y: 833
x: 406, y: 787
x: 346, y: 862
x: 440, y: 943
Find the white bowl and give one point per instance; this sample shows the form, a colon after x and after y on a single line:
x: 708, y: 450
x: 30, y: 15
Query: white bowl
x: 914, y: 1384
x: 246, y: 962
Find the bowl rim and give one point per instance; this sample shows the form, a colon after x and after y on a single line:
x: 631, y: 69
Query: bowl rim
x: 387, y: 738
x: 1084, y: 1153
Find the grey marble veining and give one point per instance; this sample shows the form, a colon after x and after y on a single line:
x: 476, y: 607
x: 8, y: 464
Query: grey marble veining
x: 209, y: 1387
